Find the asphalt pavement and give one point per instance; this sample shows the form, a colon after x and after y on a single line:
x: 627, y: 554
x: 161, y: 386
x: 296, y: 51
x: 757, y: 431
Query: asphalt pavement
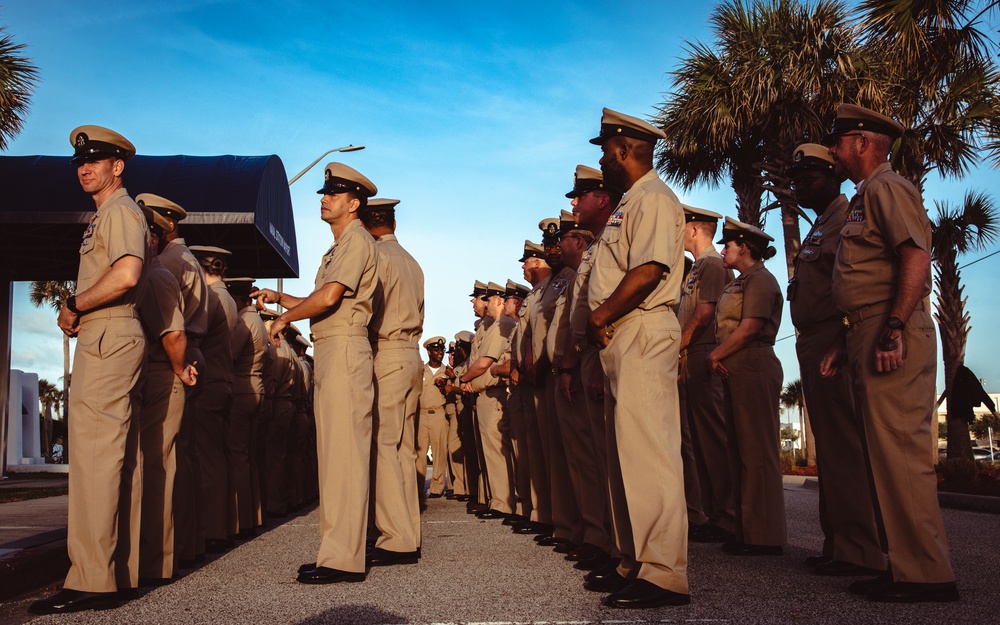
x: 475, y: 571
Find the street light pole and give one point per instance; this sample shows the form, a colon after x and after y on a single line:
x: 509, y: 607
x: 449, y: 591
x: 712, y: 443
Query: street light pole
x: 347, y: 148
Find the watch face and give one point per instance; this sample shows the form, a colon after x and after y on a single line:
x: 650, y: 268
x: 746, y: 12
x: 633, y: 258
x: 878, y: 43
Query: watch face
x: 894, y: 323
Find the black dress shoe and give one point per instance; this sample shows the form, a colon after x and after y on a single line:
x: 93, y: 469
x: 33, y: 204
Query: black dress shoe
x: 308, y: 566
x: 549, y: 541
x: 709, y: 533
x: 461, y: 497
x: 566, y: 547
x: 247, y: 533
x: 531, y: 527
x: 582, y: 552
x: 609, y: 583
x: 913, y: 592
x: 67, y: 600
x: 435, y: 496
x: 746, y: 549
x: 515, y: 519
x: 609, y: 569
x: 384, y: 557
x: 868, y: 586
x: 839, y: 568
x: 693, y: 528
x: 217, y: 545
x: 643, y: 594
x: 814, y: 561
x: 593, y: 563
x: 491, y: 514
x: 324, y: 575
x: 154, y: 581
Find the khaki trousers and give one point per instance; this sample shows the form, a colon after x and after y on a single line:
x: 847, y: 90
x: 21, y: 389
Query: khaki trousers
x: 584, y: 476
x: 433, y: 434
x: 162, y: 410
x: 565, y: 515
x: 703, y: 403
x: 398, y: 379
x: 520, y: 457
x: 847, y: 515
x: 344, y: 397
x: 262, y: 427
x: 456, y: 455
x: 104, y: 468
x: 187, y: 484
x: 279, y: 432
x: 897, y: 409
x: 541, y: 498
x: 590, y: 368
x: 752, y: 391
x: 496, y: 448
x: 210, y: 437
x: 242, y: 459
x: 644, y: 449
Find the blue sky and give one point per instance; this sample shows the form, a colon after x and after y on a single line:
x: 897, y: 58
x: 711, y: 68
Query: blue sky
x: 474, y: 116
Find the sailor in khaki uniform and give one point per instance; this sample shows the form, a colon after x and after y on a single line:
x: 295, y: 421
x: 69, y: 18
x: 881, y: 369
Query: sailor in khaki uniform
x: 487, y: 349
x: 456, y: 455
x: 463, y: 414
x: 395, y: 329
x: 747, y: 318
x: 882, y: 281
x: 433, y: 431
x: 339, y: 311
x: 568, y: 400
x: 179, y: 260
x: 249, y: 351
x: 593, y: 203
x: 214, y: 402
x: 635, y: 280
x: 162, y: 407
x: 847, y: 517
x: 701, y: 394
x: 103, y: 536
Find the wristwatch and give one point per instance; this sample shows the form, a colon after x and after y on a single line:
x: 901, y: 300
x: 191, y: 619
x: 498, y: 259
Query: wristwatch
x: 894, y: 323
x: 71, y: 304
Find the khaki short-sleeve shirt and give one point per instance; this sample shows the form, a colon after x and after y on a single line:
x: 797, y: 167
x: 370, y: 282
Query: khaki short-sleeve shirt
x: 647, y: 227
x: 353, y: 262
x: 398, y: 306
x: 754, y: 294
x: 559, y: 333
x: 704, y: 285
x: 179, y: 260
x: 116, y: 230
x: 886, y: 212
x: 810, y: 296
x: 249, y: 352
x: 160, y: 309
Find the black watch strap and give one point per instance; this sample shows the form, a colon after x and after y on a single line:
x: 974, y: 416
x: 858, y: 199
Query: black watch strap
x: 895, y: 323
x: 71, y: 304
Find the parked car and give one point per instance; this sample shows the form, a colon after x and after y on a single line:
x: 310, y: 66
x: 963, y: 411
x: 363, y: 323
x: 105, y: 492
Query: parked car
x: 980, y: 454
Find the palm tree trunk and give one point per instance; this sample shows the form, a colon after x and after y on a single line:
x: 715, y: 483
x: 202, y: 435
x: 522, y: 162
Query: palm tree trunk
x: 953, y: 323
x: 65, y: 396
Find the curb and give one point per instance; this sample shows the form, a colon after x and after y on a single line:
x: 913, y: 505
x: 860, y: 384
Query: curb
x: 33, y: 568
x: 957, y: 501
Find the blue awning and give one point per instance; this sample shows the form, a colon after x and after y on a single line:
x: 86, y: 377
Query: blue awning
x: 240, y: 203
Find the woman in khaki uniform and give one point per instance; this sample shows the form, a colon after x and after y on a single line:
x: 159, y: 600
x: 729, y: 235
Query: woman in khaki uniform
x: 747, y: 318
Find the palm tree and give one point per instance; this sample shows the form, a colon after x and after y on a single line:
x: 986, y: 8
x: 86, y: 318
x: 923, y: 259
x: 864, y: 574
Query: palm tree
x: 971, y: 227
x: 17, y: 79
x: 793, y: 397
x: 936, y: 75
x: 55, y: 293
x: 771, y: 82
x: 49, y: 396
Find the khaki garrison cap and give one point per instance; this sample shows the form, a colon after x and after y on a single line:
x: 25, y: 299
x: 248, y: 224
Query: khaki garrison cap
x: 95, y: 143
x: 163, y: 206
x: 515, y: 290
x: 532, y: 250
x: 158, y: 224
x: 744, y: 233
x: 434, y: 341
x: 479, y: 289
x: 615, y: 124
x: 854, y: 117
x: 494, y: 289
x: 464, y: 337
x: 339, y: 178
x: 381, y: 203
x: 699, y: 214
x: 585, y: 180
x: 811, y: 156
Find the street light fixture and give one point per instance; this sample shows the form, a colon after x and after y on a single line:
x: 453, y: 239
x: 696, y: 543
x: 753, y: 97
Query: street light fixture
x: 349, y: 148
